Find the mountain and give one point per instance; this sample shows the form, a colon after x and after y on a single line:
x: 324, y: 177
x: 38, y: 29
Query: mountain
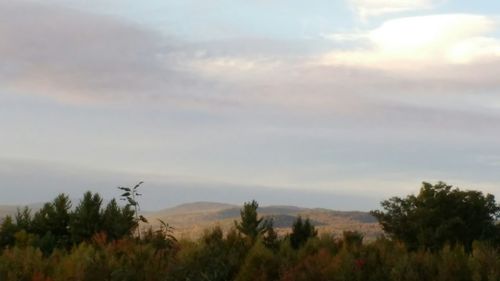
x: 191, y: 219
x: 196, y: 207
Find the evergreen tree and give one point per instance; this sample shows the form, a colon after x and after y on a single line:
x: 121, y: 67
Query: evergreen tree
x: 41, y: 223
x: 59, y: 220
x: 8, y: 230
x: 118, y: 222
x: 302, y: 230
x: 23, y: 219
x: 270, y: 239
x: 251, y: 226
x: 86, y: 220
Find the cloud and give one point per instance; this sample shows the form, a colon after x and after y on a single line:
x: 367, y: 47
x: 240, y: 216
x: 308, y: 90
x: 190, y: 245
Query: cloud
x: 77, y: 56
x: 419, y: 42
x: 371, y: 8
x: 403, y: 99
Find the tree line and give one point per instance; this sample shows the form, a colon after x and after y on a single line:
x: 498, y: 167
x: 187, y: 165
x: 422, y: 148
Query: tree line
x: 58, y: 225
x: 442, y: 233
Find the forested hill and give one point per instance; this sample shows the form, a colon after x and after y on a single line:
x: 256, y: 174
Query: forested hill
x: 190, y: 220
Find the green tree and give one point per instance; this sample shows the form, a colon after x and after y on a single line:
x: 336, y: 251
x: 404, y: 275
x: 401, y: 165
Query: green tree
x: 212, y: 258
x: 302, y: 230
x: 8, y: 230
x: 23, y: 219
x: 50, y: 224
x: 118, y: 221
x: 260, y: 263
x: 86, y: 220
x: 352, y: 239
x: 270, y: 239
x: 438, y: 215
x: 59, y: 220
x: 251, y: 226
x: 40, y: 224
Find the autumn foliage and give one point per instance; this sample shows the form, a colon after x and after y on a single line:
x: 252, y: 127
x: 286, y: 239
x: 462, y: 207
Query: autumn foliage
x: 112, y: 250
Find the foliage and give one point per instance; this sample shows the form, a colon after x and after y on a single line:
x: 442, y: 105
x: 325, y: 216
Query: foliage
x: 55, y: 226
x: 302, y: 230
x: 352, y: 239
x: 51, y: 223
x: 118, y: 222
x: 250, y: 225
x: 87, y: 218
x: 162, y: 238
x: 32, y: 251
x: 212, y: 258
x: 270, y: 238
x: 260, y: 264
x: 130, y: 195
x: 8, y: 230
x: 438, y: 215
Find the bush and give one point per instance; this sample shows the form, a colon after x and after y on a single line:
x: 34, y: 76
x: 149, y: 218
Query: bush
x: 439, y: 215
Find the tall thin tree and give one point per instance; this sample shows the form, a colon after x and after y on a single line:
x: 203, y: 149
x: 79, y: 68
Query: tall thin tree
x: 131, y: 195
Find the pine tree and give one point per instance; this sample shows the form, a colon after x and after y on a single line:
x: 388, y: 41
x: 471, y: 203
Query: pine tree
x: 59, y: 220
x: 118, y: 222
x: 7, y: 231
x: 86, y: 220
x: 251, y: 226
x: 302, y: 230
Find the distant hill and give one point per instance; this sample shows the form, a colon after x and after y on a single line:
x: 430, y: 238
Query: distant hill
x: 190, y: 220
x: 196, y: 207
x: 12, y: 209
x: 7, y: 210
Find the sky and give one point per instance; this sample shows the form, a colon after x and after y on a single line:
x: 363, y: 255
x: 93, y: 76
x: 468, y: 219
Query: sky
x: 337, y: 104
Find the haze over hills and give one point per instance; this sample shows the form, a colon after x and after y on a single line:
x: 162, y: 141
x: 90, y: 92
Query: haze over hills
x: 195, y: 207
x: 161, y: 192
x: 12, y: 209
x: 7, y: 210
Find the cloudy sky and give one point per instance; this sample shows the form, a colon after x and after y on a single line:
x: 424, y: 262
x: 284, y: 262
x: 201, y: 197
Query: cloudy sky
x: 329, y: 103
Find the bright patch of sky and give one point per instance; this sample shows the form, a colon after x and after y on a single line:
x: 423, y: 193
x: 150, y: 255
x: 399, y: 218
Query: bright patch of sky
x: 221, y: 19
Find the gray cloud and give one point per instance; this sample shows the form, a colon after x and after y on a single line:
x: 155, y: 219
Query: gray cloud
x: 73, y: 55
x: 242, y: 109
x: 77, y: 56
